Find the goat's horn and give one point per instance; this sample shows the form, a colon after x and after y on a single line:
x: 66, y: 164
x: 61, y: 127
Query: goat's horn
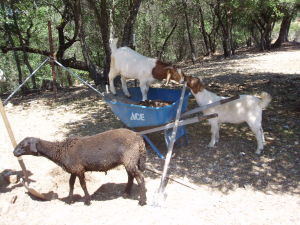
x: 168, y: 78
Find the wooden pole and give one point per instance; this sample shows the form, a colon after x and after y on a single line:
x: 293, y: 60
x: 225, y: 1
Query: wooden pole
x: 20, y: 160
x: 12, y: 139
x: 52, y: 57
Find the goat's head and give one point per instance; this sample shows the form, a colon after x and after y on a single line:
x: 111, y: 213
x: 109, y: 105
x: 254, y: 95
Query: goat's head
x: 174, y: 74
x: 194, y: 83
x: 27, y: 147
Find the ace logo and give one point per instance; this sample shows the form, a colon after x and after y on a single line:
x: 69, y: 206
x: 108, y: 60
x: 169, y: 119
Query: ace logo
x: 137, y: 116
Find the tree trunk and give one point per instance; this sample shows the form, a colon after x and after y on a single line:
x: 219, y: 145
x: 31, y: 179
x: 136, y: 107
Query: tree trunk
x: 189, y: 32
x: 25, y: 54
x: 103, y: 22
x: 166, y: 40
x: 84, y: 47
x: 127, y: 39
x: 284, y: 31
x: 203, y: 31
x: 10, y: 41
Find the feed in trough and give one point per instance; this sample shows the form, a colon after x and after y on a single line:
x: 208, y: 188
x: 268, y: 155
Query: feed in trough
x: 154, y: 103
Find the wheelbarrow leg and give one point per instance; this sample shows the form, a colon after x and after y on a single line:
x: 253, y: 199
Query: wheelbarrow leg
x: 153, y: 147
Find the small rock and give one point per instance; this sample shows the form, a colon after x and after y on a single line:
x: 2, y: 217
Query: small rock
x: 296, y: 142
x: 12, y: 179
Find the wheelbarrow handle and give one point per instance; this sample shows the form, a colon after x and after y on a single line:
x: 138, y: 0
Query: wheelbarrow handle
x: 204, y: 107
x: 181, y: 123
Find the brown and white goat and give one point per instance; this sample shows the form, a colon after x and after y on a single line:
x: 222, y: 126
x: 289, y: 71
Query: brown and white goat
x: 247, y: 108
x: 132, y: 65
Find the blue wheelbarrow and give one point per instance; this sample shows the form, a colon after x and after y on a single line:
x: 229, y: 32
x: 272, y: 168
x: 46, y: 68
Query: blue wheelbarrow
x: 140, y: 117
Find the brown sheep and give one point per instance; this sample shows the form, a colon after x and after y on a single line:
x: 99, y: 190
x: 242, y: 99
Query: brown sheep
x: 100, y: 152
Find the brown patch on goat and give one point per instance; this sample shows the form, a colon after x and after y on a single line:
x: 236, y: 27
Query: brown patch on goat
x: 194, y: 83
x: 161, y: 71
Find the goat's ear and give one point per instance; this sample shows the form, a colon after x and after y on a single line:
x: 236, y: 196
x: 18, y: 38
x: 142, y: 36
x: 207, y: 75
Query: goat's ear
x: 33, y: 142
x: 168, y: 77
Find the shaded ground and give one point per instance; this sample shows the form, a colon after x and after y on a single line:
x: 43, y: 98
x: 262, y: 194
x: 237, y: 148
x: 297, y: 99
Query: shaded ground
x: 235, y: 185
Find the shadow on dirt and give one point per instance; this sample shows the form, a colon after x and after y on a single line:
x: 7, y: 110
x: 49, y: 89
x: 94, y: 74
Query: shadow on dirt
x: 106, y: 192
x: 232, y: 164
x: 9, y: 180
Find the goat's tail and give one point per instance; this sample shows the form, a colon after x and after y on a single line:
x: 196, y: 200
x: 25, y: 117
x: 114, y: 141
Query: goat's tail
x: 265, y: 100
x: 113, y: 45
x: 142, y: 159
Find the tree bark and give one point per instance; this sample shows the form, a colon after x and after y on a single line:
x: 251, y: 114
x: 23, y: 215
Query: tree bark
x: 203, y: 32
x: 225, y: 21
x: 25, y: 54
x: 102, y: 16
x: 10, y: 41
x: 284, y: 31
x: 189, y: 32
x: 84, y: 47
x: 127, y: 39
x: 166, y: 40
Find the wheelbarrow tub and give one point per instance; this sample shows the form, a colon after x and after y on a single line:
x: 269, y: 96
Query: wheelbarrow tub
x: 133, y: 115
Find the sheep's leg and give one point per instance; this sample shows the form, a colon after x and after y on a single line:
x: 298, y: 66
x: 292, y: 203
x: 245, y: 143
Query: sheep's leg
x: 144, y: 89
x: 214, y: 133
x: 141, y: 183
x: 124, y: 87
x: 83, y: 186
x: 129, y: 183
x: 71, y: 185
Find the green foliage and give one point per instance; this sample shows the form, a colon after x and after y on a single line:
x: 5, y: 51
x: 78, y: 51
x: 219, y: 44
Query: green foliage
x: 153, y: 25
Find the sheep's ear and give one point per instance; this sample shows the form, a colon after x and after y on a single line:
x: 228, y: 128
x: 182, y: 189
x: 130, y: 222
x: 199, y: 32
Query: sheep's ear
x: 33, y: 142
x: 168, y: 77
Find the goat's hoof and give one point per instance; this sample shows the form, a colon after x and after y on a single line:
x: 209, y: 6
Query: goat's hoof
x: 142, y: 203
x: 258, y: 152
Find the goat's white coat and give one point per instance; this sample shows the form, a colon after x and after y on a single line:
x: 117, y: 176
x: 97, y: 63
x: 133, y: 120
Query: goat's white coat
x: 247, y: 108
x: 2, y: 77
x: 130, y: 65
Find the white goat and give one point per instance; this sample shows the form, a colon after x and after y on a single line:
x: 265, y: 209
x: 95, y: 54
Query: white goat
x: 247, y: 108
x: 2, y: 77
x: 132, y: 65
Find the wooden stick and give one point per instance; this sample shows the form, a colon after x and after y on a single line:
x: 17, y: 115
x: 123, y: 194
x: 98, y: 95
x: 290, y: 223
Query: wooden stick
x: 20, y: 160
x: 179, y: 181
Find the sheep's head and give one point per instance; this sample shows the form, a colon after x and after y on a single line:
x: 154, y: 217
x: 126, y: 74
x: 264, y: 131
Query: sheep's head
x: 175, y: 74
x: 194, y: 83
x: 26, y: 147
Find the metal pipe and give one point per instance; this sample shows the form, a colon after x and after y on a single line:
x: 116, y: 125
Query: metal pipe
x: 75, y: 75
x: 201, y: 108
x: 12, y: 94
x: 180, y: 123
x: 172, y: 142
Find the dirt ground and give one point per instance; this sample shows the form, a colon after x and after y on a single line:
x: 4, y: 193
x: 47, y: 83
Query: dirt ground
x: 234, y: 186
